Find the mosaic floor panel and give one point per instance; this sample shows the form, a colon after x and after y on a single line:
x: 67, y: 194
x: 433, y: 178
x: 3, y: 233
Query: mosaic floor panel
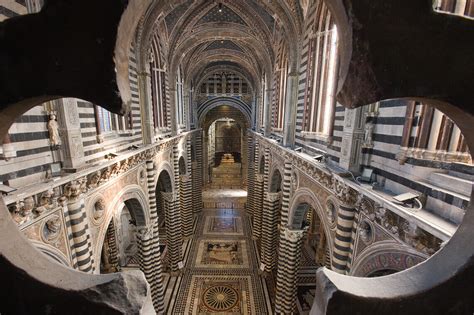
x: 223, y: 226
x: 221, y: 267
x: 221, y: 295
x: 222, y: 254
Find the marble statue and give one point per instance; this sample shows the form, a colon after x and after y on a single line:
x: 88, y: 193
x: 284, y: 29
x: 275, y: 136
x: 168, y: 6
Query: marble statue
x: 53, y: 129
x: 369, y: 130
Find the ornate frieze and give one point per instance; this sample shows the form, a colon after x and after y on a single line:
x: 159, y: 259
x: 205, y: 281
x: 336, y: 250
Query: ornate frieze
x: 27, y: 209
x: 377, y: 218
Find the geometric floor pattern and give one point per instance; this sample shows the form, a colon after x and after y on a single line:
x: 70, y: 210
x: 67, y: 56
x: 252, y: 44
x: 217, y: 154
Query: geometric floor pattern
x: 220, y: 274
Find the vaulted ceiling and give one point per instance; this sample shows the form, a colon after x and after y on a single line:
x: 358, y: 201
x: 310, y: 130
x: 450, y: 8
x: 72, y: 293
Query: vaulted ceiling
x: 203, y: 36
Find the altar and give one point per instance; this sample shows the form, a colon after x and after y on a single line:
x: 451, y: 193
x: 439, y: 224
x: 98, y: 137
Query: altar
x: 227, y: 158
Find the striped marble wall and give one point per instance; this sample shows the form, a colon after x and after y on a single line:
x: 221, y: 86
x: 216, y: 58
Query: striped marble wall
x: 414, y: 174
x: 12, y: 8
x: 29, y: 138
x: 313, y: 145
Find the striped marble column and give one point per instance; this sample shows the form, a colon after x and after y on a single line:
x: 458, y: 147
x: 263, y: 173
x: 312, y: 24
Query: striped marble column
x: 270, y: 221
x: 197, y: 175
x: 254, y: 165
x: 197, y: 188
x: 285, y: 198
x: 258, y: 207
x: 261, y: 181
x: 355, y: 224
x: 77, y: 219
x: 151, y: 253
x: 63, y: 203
x: 342, y: 242
x: 173, y: 230
x: 186, y: 204
x: 250, y: 176
x: 291, y: 242
x: 187, y: 192
x: 145, y: 257
x: 112, y: 244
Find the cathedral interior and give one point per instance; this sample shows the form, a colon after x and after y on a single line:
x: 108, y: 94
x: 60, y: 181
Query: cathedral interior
x: 236, y: 157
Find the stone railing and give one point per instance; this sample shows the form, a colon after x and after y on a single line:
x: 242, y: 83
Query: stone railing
x: 31, y: 204
x: 420, y: 229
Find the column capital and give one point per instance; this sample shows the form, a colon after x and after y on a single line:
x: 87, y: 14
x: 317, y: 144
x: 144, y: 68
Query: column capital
x: 272, y: 196
x: 145, y: 232
x: 347, y: 195
x: 185, y: 177
x: 259, y: 177
x: 168, y: 196
x: 74, y: 190
x: 293, y: 235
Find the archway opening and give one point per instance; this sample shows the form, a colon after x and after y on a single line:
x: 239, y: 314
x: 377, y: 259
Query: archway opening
x: 276, y: 181
x: 119, y: 249
x: 225, y: 150
x: 164, y: 185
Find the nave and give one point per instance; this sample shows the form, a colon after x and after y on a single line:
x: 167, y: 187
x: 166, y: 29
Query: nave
x: 221, y: 273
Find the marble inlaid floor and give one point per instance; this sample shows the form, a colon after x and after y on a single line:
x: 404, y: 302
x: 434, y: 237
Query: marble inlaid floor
x: 221, y: 268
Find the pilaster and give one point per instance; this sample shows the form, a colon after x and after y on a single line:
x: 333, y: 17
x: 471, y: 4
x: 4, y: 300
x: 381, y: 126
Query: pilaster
x: 72, y: 148
x: 146, y: 112
x: 290, y: 110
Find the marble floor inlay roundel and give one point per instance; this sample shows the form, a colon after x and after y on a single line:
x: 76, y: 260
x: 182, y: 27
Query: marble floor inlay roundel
x: 220, y: 298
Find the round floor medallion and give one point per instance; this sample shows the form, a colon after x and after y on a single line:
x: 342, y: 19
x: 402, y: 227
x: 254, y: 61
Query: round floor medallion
x: 220, y: 298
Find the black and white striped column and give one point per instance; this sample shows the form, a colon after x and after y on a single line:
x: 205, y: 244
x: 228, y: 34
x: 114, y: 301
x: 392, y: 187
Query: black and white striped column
x: 270, y: 221
x: 289, y: 257
x: 250, y: 176
x: 257, y: 207
x: 259, y: 194
x: 63, y: 203
x: 77, y: 220
x: 187, y: 194
x: 150, y: 250
x: 173, y: 231
x: 285, y: 198
x: 186, y: 204
x: 146, y: 260
x: 197, y: 175
x: 342, y: 242
x: 112, y: 242
x: 355, y: 224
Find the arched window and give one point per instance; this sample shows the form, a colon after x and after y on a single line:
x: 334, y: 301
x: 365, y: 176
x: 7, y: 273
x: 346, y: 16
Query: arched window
x: 107, y: 122
x: 158, y: 86
x: 429, y: 134
x: 262, y: 104
x: 281, y: 75
x: 319, y: 100
x: 458, y: 7
x: 180, y: 98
